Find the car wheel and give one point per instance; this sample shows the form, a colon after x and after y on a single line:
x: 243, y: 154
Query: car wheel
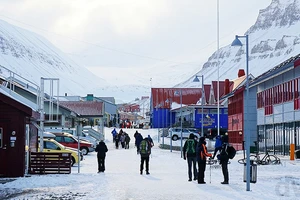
x: 84, y: 150
x: 72, y: 161
x: 174, y: 137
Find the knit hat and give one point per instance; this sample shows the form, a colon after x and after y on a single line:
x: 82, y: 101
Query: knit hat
x: 192, y: 136
x: 202, y: 139
x: 225, y: 138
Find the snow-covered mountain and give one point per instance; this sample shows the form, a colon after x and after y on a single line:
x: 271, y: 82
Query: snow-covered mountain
x: 274, y: 38
x: 31, y: 56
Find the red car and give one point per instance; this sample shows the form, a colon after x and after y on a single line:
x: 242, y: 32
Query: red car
x: 69, y: 140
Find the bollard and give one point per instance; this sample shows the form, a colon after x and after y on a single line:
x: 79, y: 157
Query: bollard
x: 292, y: 150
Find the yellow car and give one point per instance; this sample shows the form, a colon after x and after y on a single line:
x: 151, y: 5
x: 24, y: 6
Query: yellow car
x: 50, y: 145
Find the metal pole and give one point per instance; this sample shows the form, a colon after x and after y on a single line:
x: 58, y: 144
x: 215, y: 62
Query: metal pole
x: 247, y: 113
x: 181, y: 121
x: 170, y: 125
x: 218, y: 85
x: 202, y: 101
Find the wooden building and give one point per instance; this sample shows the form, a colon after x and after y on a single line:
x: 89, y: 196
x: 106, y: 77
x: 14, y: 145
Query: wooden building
x: 14, y: 116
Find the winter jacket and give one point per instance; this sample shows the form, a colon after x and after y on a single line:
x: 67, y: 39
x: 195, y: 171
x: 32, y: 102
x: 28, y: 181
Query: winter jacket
x: 223, y: 155
x: 218, y: 142
x: 185, y: 153
x: 127, y: 139
x: 138, y: 139
x: 145, y: 142
x: 114, y: 132
x: 101, y: 149
x: 202, y: 152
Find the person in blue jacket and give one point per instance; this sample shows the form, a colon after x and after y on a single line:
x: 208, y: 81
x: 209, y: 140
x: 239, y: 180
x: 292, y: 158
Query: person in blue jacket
x: 218, y: 145
x: 114, y: 133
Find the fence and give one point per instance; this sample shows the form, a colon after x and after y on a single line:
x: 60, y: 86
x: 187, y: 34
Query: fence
x: 50, y: 163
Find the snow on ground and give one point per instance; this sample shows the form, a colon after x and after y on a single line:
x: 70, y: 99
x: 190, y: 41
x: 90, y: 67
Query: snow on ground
x: 168, y: 178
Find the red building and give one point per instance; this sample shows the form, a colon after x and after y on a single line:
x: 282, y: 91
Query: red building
x: 14, y: 116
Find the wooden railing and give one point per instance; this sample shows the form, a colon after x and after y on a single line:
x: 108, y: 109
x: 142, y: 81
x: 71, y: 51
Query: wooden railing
x: 49, y: 163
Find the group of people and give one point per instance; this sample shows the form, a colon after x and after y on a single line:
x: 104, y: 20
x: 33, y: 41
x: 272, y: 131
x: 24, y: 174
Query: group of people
x: 120, y: 138
x: 196, y: 153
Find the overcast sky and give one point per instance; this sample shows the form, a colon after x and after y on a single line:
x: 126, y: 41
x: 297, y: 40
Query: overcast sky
x: 134, y: 33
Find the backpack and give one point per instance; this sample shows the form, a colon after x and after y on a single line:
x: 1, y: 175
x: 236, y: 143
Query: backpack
x: 144, y: 147
x: 230, y: 150
x: 190, y: 146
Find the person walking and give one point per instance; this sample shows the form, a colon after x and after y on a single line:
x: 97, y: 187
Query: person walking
x: 122, y: 139
x: 138, y: 139
x: 201, y: 158
x: 150, y: 140
x: 224, y: 159
x: 114, y: 133
x: 189, y: 153
x: 127, y: 140
x: 101, y: 150
x: 145, y: 151
x: 218, y: 145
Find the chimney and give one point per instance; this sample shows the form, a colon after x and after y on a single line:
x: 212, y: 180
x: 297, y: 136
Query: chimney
x: 89, y: 97
x: 226, y: 86
x: 241, y: 73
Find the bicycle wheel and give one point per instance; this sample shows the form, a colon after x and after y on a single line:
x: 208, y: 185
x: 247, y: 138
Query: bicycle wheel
x: 242, y: 161
x: 255, y: 158
x: 272, y: 159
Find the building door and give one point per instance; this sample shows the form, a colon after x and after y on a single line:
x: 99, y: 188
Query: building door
x: 3, y: 148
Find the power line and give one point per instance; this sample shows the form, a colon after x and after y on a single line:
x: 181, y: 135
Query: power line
x: 101, y: 46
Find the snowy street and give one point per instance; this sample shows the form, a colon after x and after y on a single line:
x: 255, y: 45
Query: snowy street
x: 168, y: 179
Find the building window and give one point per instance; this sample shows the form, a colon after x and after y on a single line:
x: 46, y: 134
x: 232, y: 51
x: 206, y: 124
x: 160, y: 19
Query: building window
x: 1, y: 137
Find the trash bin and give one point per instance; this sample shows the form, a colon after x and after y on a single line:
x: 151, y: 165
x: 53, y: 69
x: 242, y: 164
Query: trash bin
x: 297, y: 154
x: 253, y: 172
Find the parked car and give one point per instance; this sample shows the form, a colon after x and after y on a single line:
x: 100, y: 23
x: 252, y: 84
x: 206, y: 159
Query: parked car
x: 85, y: 136
x: 175, y: 133
x: 50, y: 145
x: 69, y: 140
x: 163, y: 132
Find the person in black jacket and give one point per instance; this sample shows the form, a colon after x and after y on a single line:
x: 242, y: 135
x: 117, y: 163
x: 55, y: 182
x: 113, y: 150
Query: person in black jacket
x: 189, y: 153
x: 201, y: 157
x: 224, y: 159
x: 101, y: 150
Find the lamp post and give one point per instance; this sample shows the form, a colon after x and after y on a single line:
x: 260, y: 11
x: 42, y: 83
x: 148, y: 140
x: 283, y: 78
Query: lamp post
x: 218, y: 85
x: 170, y: 102
x: 237, y: 42
x: 202, y: 100
x: 176, y: 93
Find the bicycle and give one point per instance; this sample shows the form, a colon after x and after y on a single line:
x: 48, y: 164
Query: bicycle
x: 265, y: 160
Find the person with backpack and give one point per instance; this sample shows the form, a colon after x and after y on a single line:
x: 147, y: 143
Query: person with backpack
x: 202, y: 154
x: 218, y: 145
x: 114, y: 133
x: 189, y: 153
x: 145, y: 151
x: 101, y: 150
x: 224, y: 159
x: 127, y: 140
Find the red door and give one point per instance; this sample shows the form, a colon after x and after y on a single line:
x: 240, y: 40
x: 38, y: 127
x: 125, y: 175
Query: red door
x: 3, y: 148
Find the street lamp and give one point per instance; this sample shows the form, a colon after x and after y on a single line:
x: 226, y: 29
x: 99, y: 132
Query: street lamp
x: 176, y: 93
x: 202, y: 100
x: 170, y: 102
x: 237, y: 42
